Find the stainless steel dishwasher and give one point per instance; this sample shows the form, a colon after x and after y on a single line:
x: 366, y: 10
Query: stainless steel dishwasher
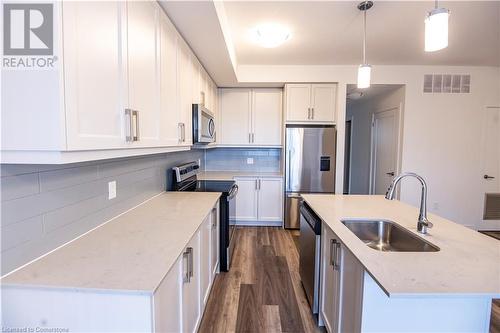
x: 310, y: 247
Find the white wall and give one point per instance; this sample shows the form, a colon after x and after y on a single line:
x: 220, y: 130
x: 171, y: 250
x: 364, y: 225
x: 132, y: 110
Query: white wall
x: 442, y: 132
x: 361, y: 112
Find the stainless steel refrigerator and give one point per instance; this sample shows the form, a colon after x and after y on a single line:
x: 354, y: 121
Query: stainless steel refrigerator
x: 309, y: 165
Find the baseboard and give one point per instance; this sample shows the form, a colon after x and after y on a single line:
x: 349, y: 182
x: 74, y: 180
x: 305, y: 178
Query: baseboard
x: 259, y: 223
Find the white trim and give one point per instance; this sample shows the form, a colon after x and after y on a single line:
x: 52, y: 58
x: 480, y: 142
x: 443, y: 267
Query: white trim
x: 258, y: 223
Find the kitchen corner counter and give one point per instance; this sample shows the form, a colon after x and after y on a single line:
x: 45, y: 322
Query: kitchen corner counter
x: 132, y: 252
x: 229, y: 175
x: 467, y: 265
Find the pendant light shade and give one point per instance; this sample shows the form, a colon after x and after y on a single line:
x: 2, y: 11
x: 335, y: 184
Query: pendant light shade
x: 436, y: 29
x: 364, y: 76
x: 364, y: 70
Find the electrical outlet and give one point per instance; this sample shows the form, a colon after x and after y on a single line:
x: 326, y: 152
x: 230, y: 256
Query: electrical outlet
x: 249, y: 160
x: 112, y: 190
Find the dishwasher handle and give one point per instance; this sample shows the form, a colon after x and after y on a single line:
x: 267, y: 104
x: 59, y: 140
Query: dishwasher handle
x: 310, y: 217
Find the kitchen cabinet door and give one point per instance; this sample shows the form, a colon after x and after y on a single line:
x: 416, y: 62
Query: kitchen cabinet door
x: 144, y: 69
x: 185, y: 90
x: 214, y: 242
x: 205, y: 257
x: 298, y: 102
x: 191, y: 314
x: 197, y: 81
x: 235, y: 116
x: 94, y: 70
x: 167, y: 301
x: 323, y: 102
x: 270, y: 199
x: 170, y: 115
x: 246, y: 199
x: 330, y: 279
x: 267, y: 116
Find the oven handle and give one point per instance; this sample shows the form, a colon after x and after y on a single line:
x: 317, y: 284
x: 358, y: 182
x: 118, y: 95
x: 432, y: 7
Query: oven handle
x: 232, y: 192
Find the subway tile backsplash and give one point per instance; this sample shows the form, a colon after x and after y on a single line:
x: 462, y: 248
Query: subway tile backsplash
x: 235, y: 159
x: 45, y: 206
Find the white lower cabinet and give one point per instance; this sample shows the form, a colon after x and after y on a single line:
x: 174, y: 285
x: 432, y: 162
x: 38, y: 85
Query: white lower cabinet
x: 259, y: 200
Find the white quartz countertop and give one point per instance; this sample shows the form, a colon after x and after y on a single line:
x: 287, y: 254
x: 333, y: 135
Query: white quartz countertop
x: 229, y: 175
x: 132, y: 252
x: 468, y: 263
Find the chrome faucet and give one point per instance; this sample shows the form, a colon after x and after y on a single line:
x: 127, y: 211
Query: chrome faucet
x: 423, y: 223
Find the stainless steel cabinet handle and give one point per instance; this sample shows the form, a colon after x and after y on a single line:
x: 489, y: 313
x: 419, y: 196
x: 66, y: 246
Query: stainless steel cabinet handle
x: 183, y: 132
x: 249, y: 137
x: 256, y: 184
x: 488, y: 177
x: 135, y: 122
x: 190, y: 250
x: 308, y: 113
x: 312, y: 113
x: 185, y: 259
x: 179, y: 129
x: 332, y: 248
x: 253, y: 137
x: 128, y: 125
x: 259, y: 183
x: 337, y: 256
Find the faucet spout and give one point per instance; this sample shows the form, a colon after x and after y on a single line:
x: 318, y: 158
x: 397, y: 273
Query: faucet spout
x: 423, y: 223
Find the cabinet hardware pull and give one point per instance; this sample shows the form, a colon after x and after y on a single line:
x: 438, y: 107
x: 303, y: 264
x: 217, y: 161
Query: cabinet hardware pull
x: 185, y: 258
x: 128, y: 125
x: 312, y: 113
x: 183, y: 132
x: 179, y: 129
x: 190, y: 250
x: 308, y: 113
x: 488, y: 177
x: 249, y: 137
x: 332, y: 257
x: 135, y: 125
x: 337, y: 256
x: 253, y: 137
x: 259, y: 183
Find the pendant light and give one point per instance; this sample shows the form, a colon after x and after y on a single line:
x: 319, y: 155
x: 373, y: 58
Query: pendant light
x: 364, y: 70
x: 436, y: 29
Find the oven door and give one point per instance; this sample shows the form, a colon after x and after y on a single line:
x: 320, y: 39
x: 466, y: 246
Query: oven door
x: 203, y: 125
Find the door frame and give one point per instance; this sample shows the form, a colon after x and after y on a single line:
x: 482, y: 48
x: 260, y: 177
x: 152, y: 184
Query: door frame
x: 398, y: 139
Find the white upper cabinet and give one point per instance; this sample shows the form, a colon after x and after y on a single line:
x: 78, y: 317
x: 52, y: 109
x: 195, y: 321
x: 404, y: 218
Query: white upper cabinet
x: 170, y: 103
x: 144, y: 69
x: 124, y: 78
x: 323, y: 99
x: 267, y: 116
x: 235, y: 116
x: 250, y: 117
x: 311, y: 102
x: 95, y: 92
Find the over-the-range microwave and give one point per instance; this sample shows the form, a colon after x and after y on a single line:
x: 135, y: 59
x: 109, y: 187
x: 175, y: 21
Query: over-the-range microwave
x: 203, y: 125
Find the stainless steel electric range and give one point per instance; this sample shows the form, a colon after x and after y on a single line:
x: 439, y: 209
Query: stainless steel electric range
x: 184, y: 178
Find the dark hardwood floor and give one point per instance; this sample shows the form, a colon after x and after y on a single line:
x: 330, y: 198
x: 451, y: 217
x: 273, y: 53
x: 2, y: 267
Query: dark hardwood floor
x: 262, y: 292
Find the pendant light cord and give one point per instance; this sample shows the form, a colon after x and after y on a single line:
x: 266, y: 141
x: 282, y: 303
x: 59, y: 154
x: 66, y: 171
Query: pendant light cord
x: 364, y: 34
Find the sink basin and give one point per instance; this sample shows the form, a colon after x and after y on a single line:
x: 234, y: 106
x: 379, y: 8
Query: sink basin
x: 383, y: 235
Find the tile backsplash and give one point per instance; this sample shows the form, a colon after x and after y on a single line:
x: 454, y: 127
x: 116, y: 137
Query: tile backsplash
x: 45, y: 206
x: 235, y: 159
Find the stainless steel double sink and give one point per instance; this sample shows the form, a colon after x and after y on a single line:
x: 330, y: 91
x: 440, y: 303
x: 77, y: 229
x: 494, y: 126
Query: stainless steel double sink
x: 387, y: 236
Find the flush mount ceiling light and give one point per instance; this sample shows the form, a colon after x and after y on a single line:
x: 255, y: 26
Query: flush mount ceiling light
x: 364, y: 70
x: 271, y: 35
x: 436, y: 29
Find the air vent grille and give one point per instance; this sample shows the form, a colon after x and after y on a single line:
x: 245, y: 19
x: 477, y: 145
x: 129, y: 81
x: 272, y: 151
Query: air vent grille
x: 492, y: 206
x: 446, y: 83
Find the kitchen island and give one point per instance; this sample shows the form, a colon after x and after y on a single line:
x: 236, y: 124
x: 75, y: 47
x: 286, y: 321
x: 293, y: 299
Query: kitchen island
x: 447, y: 290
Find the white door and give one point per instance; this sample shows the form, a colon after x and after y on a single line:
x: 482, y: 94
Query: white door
x: 235, y: 116
x: 267, y: 116
x: 323, y: 98
x: 205, y: 257
x: 169, y: 104
x: 185, y: 92
x: 490, y: 160
x: 191, y: 285
x: 330, y: 280
x: 298, y: 102
x: 246, y: 199
x: 214, y: 242
x: 144, y: 69
x: 94, y: 69
x: 383, y: 150
x: 270, y: 203
x: 167, y: 301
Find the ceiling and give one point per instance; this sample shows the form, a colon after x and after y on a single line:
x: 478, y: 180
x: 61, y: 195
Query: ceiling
x: 330, y: 33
